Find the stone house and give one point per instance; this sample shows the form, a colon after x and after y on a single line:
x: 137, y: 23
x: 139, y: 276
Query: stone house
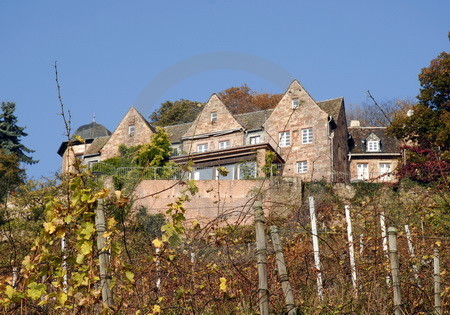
x: 373, y: 155
x: 304, y: 138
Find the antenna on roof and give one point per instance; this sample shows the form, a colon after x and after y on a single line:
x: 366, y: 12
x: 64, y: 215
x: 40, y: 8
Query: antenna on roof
x: 93, y: 118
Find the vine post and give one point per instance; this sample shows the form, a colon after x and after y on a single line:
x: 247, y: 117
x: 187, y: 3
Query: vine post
x: 393, y: 255
x: 261, y: 255
x: 351, y: 248
x: 103, y: 259
x: 315, y: 241
x: 411, y: 252
x: 437, y: 283
x: 282, y: 272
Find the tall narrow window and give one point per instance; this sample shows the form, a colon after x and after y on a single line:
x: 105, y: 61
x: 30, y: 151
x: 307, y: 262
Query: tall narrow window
x: 362, y: 171
x: 302, y: 167
x: 295, y: 103
x: 131, y: 130
x: 285, y: 138
x: 213, y: 116
x: 307, y: 135
x: 385, y: 171
x: 224, y: 144
x: 202, y: 147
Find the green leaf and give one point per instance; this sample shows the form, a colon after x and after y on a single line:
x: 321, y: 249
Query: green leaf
x: 87, y: 229
x: 86, y: 248
x: 129, y: 275
x: 35, y: 290
x: 9, y: 291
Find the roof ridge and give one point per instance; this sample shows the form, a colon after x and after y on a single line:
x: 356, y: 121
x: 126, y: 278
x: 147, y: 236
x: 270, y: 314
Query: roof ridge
x: 256, y: 111
x: 332, y: 99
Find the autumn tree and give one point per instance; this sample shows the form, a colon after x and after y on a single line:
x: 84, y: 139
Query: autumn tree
x: 11, y: 134
x: 426, y: 127
x: 172, y: 113
x: 243, y: 99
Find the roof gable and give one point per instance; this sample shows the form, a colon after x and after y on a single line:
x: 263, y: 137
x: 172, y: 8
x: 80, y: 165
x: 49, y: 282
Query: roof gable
x: 204, y: 122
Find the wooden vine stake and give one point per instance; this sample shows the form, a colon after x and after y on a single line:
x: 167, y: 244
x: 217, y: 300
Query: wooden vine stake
x: 103, y: 256
x: 315, y: 241
x: 261, y: 256
x: 437, y: 283
x: 411, y: 252
x: 282, y: 272
x: 64, y: 264
x: 393, y: 256
x: 351, y: 248
x: 384, y: 240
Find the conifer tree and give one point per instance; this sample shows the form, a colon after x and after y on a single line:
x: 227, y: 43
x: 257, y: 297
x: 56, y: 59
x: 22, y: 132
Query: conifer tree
x: 11, y: 134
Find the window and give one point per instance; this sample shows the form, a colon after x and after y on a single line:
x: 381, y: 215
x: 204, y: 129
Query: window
x: 285, y: 138
x: 213, y: 117
x: 224, y: 144
x: 247, y: 170
x: 131, y: 130
x: 202, y: 147
x: 307, y: 135
x: 362, y: 171
x: 295, y: 103
x: 385, y: 171
x: 302, y: 167
x: 255, y: 139
x: 373, y: 146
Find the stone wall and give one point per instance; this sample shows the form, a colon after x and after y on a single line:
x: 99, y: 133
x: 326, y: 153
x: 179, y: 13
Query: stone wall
x: 121, y: 135
x: 224, y: 200
x: 307, y: 115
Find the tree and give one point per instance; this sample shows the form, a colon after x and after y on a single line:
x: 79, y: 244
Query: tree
x: 370, y: 115
x: 10, y: 173
x: 172, y: 113
x: 428, y: 124
x: 10, y: 134
x: 242, y: 99
x: 435, y: 84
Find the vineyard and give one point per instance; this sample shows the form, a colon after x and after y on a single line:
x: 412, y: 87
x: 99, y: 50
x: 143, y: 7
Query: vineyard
x: 335, y: 243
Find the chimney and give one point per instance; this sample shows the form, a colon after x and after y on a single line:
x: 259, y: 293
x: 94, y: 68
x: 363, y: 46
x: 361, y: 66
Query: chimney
x: 355, y: 123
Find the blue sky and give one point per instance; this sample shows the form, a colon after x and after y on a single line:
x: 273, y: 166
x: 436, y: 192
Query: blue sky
x: 114, y: 54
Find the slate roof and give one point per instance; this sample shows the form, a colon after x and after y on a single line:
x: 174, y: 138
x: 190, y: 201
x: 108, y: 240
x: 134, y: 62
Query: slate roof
x: 253, y: 120
x: 96, y: 145
x: 332, y: 107
x: 175, y: 132
x: 92, y: 131
x: 388, y: 144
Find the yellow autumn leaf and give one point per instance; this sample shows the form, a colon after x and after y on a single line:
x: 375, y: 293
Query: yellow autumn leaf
x: 157, y: 243
x: 49, y: 227
x: 223, y: 285
x: 156, y: 309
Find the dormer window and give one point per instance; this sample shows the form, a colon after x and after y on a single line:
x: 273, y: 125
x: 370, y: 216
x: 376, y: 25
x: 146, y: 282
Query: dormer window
x: 373, y: 146
x: 213, y: 117
x: 131, y: 130
x: 295, y: 103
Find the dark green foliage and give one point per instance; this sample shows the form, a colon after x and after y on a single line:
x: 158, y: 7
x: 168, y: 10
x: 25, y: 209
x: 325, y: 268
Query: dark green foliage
x: 10, y: 134
x: 11, y: 175
x: 150, y: 224
x: 172, y: 113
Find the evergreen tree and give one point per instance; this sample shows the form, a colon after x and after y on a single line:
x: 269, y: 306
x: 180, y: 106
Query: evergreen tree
x: 10, y: 134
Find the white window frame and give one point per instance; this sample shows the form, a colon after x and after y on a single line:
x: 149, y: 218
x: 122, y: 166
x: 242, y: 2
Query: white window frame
x: 385, y: 172
x: 295, y: 103
x: 224, y: 144
x: 131, y: 130
x: 307, y: 135
x: 213, y: 117
x: 302, y: 167
x: 202, y: 147
x: 255, y: 139
x: 284, y: 138
x: 362, y: 171
x: 373, y: 146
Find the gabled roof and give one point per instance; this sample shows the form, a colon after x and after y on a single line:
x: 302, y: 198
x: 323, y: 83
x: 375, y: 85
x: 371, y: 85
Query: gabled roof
x: 96, y: 145
x: 175, y: 132
x: 388, y: 144
x: 332, y: 107
x: 253, y: 120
